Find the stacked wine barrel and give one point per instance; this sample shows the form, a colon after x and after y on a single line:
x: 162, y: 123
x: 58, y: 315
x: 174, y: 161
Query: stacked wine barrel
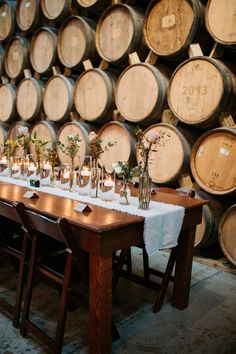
x: 73, y: 66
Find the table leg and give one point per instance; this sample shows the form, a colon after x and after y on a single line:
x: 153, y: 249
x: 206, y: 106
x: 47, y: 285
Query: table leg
x: 183, y: 268
x: 100, y: 304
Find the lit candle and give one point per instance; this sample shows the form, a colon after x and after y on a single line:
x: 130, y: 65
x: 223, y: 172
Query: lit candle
x: 32, y: 167
x: 108, y: 192
x: 47, y: 166
x: 3, y: 161
x: 66, y: 174
x: 15, y: 168
x: 85, y: 172
x: 109, y: 183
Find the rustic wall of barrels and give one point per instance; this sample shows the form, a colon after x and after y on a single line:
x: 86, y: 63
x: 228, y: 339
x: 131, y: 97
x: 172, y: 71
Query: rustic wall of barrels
x: 72, y: 66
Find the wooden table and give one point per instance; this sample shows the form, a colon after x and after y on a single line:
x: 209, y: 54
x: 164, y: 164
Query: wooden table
x: 103, y: 231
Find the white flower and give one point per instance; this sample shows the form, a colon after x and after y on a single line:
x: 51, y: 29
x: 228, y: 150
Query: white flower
x: 23, y: 130
x: 114, y: 165
x: 71, y: 136
x: 118, y: 170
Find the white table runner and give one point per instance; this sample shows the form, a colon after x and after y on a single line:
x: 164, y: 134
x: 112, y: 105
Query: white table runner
x: 162, y: 224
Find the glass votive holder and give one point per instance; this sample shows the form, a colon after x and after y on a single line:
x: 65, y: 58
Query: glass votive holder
x: 16, y: 168
x: 84, y: 176
x: 4, y: 166
x: 65, y: 177
x: 46, y: 173
x: 31, y: 171
x: 108, y: 187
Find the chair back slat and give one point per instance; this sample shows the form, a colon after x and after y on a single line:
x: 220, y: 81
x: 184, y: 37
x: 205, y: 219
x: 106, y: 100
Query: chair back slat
x: 7, y: 210
x: 59, y: 229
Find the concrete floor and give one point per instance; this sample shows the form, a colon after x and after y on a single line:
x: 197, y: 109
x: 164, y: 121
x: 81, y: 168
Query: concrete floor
x: 207, y: 326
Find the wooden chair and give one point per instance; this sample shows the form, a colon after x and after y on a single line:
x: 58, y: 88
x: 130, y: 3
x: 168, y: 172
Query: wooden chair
x: 18, y: 251
x: 38, y: 226
x: 125, y: 258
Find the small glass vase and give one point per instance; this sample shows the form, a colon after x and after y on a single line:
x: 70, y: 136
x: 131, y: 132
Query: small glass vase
x: 124, y: 194
x: 145, y: 188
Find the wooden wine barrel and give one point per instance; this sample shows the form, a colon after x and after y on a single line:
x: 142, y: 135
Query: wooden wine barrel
x: 28, y: 14
x: 200, y: 89
x: 227, y: 238
x: 220, y: 22
x: 122, y: 134
x: 175, y: 146
x: 56, y: 10
x: 170, y: 26
x: 99, y: 6
x: 207, y: 232
x: 16, y: 57
x: 29, y: 97
x: 4, y: 133
x: 46, y: 131
x: 7, y: 16
x: 7, y: 102
x: 120, y: 32
x: 94, y: 95
x: 43, y: 52
x: 141, y: 93
x: 76, y: 41
x: 213, y: 161
x: 58, y: 98
x: 14, y: 134
x: 1, y: 60
x: 73, y: 128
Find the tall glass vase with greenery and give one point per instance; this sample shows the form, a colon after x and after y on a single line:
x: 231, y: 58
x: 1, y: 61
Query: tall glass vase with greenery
x: 96, y: 150
x: 147, y: 143
x: 71, y: 149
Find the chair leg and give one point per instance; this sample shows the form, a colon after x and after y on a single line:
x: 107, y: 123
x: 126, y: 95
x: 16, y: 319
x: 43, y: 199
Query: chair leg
x: 169, y: 268
x: 20, y: 283
x: 62, y: 312
x: 124, y: 256
x: 29, y: 285
x: 146, y: 264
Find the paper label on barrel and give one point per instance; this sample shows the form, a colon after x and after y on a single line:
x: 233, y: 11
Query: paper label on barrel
x: 168, y: 21
x: 223, y: 151
x: 3, y: 14
x: 27, y: 4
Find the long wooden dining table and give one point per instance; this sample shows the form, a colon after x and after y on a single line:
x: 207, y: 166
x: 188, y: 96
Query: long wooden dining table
x: 101, y: 232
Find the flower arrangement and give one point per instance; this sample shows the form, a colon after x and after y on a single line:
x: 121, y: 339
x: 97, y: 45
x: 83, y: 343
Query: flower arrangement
x: 147, y: 143
x: 24, y: 139
x: 39, y: 147
x: 11, y: 146
x: 52, y: 158
x: 95, y: 147
x: 123, y: 170
x: 72, y: 147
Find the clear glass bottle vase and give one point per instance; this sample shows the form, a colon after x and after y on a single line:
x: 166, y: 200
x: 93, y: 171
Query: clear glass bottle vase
x: 124, y: 193
x: 95, y: 180
x: 145, y: 187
